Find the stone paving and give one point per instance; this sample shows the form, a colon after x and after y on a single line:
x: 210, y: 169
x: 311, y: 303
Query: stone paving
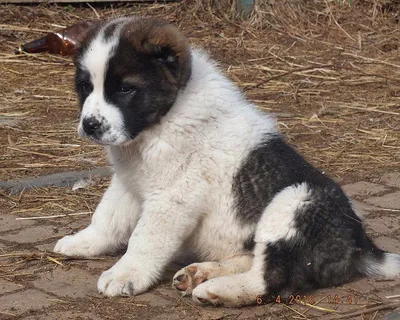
x: 37, y: 287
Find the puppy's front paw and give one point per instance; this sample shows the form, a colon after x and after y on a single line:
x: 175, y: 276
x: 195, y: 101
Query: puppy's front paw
x: 122, y: 280
x: 84, y: 244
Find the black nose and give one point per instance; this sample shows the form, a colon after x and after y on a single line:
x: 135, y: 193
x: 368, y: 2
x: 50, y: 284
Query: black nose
x: 91, y: 125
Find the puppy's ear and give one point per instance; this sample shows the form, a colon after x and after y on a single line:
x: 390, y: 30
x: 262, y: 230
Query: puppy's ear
x: 82, y: 31
x: 163, y: 43
x: 162, y: 53
x: 82, y: 34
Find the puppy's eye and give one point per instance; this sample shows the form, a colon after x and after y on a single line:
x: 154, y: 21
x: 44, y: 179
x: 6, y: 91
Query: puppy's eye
x: 86, y: 87
x: 126, y: 88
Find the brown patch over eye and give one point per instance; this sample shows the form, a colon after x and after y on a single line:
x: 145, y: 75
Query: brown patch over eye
x: 135, y: 80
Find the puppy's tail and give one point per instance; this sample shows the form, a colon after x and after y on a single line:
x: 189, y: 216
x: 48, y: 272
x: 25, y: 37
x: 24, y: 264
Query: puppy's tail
x: 378, y: 263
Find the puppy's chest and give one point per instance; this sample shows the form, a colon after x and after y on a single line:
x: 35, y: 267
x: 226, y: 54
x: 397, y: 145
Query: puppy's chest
x: 144, y: 173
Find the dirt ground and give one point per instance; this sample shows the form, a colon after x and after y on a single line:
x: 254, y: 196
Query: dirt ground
x: 329, y: 70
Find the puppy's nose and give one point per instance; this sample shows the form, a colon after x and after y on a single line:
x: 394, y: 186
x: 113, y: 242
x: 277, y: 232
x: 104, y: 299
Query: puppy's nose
x: 91, y: 125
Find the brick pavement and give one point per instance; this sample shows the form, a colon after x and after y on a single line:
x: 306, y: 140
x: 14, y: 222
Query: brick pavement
x: 45, y: 290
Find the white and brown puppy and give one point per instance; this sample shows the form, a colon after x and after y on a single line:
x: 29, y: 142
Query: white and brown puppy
x: 199, y: 170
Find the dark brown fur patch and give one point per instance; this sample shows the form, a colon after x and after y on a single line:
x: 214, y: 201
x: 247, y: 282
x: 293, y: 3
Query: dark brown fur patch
x: 152, y: 37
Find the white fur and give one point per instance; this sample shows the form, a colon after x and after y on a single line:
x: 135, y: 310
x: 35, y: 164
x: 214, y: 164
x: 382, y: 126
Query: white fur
x: 389, y: 268
x: 112, y: 224
x: 238, y: 289
x: 180, y: 173
x: 277, y: 221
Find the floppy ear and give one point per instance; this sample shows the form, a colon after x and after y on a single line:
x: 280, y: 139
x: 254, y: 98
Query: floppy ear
x: 80, y: 35
x: 163, y: 54
x: 81, y: 31
x: 164, y: 43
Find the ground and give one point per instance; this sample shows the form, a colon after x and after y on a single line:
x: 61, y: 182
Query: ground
x: 329, y: 71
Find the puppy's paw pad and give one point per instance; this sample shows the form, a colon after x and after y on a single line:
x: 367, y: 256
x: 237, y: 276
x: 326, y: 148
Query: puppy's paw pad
x: 186, y: 279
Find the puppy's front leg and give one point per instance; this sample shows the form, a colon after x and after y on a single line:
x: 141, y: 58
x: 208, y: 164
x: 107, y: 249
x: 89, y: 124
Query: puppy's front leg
x: 160, y: 232
x: 111, y: 226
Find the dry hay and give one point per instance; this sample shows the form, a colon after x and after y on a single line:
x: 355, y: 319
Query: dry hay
x: 330, y: 70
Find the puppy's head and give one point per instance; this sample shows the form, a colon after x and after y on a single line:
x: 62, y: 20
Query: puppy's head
x: 128, y: 74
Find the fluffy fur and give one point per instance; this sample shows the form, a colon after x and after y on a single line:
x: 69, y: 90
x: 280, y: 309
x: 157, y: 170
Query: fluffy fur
x: 199, y: 170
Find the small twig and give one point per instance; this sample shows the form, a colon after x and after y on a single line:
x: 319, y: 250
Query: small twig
x: 299, y: 313
x: 55, y: 216
x: 55, y: 261
x: 94, y: 10
x: 41, y: 254
x: 19, y: 28
x: 317, y: 307
x: 8, y: 313
x: 315, y: 304
x: 370, y: 110
x: 370, y: 59
x: 364, y: 311
x: 337, y: 24
x: 286, y: 74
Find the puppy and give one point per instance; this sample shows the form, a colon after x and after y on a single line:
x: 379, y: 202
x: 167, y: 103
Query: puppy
x: 199, y: 170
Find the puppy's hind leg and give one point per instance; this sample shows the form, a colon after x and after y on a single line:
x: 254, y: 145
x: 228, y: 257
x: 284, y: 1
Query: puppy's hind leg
x: 236, y: 289
x: 112, y: 224
x: 186, y: 279
x: 273, y: 256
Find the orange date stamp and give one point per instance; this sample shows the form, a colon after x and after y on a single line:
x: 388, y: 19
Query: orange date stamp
x: 310, y: 299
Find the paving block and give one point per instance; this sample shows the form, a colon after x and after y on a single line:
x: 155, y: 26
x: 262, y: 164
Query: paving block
x: 65, y: 315
x: 174, y: 316
x: 363, y: 188
x: 389, y: 201
x: 367, y: 285
x: 355, y: 287
x: 67, y: 225
x: 214, y: 313
x: 152, y: 299
x: 247, y: 314
x: 98, y: 266
x: 73, y: 283
x: 387, y: 293
x: 166, y: 290
x: 31, y: 235
x: 388, y: 244
x: 7, y: 286
x: 363, y: 209
x: 47, y: 247
x: 383, y: 224
x: 8, y: 223
x: 20, y: 302
x: 391, y: 179
x: 393, y: 315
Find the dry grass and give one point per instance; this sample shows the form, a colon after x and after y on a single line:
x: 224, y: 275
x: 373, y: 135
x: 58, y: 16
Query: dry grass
x: 330, y: 70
